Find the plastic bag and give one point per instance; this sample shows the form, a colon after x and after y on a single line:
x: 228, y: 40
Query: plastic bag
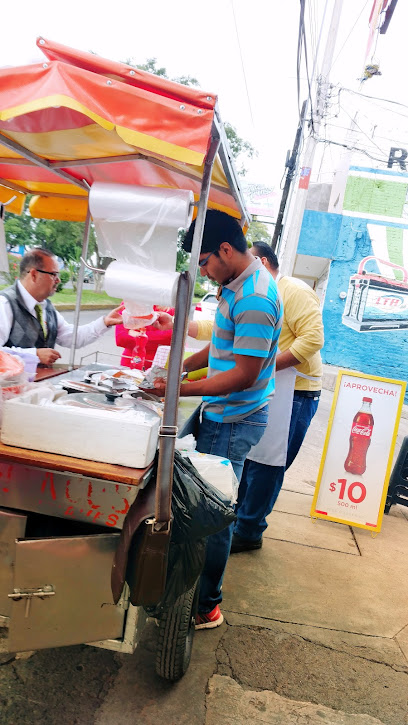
x: 217, y: 471
x: 199, y: 510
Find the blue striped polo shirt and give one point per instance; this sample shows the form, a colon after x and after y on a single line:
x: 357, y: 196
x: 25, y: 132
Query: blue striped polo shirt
x: 247, y: 322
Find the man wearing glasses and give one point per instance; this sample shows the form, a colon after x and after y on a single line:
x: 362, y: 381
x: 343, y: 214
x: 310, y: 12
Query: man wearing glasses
x: 30, y: 322
x: 241, y: 372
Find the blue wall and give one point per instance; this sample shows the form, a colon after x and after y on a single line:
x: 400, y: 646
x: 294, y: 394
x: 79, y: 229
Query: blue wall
x: 383, y: 353
x: 319, y: 234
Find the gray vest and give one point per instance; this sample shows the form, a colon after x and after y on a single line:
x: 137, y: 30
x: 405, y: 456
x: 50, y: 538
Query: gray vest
x: 26, y: 330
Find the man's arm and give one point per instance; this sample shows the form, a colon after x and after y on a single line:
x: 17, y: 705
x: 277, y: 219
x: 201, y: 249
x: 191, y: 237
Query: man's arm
x: 200, y: 330
x: 45, y: 355
x: 240, y: 377
x: 197, y: 361
x: 86, y: 333
x: 286, y: 360
x: 303, y: 316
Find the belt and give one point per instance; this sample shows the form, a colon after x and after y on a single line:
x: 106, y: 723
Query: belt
x: 308, y: 393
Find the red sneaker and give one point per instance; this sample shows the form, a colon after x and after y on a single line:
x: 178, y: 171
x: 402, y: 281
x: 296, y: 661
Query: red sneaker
x: 210, y: 620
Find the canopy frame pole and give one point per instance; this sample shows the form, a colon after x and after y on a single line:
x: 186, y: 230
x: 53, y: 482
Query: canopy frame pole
x: 80, y: 283
x: 38, y: 161
x: 202, y: 209
x: 229, y: 168
x: 185, y: 290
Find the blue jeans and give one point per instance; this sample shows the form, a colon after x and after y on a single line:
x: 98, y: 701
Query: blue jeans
x: 260, y: 484
x: 233, y: 441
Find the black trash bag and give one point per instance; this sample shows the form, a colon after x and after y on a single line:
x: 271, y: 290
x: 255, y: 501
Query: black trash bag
x: 199, y: 510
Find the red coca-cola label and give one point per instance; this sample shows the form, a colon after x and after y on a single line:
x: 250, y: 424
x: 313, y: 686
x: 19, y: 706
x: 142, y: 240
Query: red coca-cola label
x: 362, y: 430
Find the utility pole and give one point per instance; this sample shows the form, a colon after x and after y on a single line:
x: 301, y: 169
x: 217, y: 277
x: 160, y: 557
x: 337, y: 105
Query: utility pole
x: 292, y: 229
x: 291, y: 166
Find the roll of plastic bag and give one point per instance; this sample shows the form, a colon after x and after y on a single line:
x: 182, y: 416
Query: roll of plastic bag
x: 132, y: 282
x: 141, y: 204
x: 139, y: 224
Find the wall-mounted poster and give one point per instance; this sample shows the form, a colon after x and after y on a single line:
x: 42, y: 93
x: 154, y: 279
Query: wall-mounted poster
x: 357, y: 456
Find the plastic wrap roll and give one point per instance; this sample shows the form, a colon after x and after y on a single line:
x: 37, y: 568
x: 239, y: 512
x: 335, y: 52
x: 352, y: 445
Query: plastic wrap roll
x: 139, y: 224
x: 132, y: 282
x: 141, y: 204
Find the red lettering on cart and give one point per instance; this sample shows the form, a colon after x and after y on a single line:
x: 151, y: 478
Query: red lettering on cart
x: 49, y: 477
x: 125, y: 509
x: 89, y: 499
x: 67, y: 494
x: 6, y: 490
x: 69, y: 511
x: 97, y: 515
x: 112, y: 520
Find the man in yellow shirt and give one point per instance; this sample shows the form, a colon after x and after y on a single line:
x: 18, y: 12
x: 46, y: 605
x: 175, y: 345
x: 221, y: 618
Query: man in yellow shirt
x: 300, y: 342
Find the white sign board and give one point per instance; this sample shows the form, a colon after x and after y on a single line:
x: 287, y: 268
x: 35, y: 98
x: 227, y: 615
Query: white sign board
x: 357, y: 456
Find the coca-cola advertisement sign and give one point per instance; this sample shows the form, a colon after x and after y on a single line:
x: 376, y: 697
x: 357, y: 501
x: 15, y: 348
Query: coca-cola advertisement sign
x: 357, y: 456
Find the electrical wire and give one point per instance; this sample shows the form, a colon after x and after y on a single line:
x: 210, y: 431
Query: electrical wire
x: 354, y: 25
x: 374, y: 98
x: 242, y: 63
x: 350, y: 148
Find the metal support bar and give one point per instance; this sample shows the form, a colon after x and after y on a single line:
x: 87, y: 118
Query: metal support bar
x: 167, y: 442
x: 134, y: 157
x: 38, y: 161
x: 12, y: 185
x: 202, y: 209
x: 229, y: 169
x: 80, y: 283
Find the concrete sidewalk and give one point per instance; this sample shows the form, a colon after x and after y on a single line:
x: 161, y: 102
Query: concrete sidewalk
x: 316, y: 626
x: 316, y: 631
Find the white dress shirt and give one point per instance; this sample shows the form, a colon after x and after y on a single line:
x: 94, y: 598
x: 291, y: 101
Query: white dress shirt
x: 86, y: 333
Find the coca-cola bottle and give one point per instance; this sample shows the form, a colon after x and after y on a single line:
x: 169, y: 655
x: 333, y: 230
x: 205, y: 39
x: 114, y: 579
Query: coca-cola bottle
x: 360, y: 439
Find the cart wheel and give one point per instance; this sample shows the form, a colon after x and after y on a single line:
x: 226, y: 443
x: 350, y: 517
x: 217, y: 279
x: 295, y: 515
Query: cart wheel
x: 176, y: 633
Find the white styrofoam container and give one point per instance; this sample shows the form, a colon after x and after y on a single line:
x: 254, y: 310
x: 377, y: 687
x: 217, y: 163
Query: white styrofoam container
x: 95, y: 435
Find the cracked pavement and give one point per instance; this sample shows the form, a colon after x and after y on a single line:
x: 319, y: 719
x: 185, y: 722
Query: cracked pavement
x: 316, y: 631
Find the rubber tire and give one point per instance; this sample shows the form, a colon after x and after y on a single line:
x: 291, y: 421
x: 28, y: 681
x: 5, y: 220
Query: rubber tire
x: 176, y: 634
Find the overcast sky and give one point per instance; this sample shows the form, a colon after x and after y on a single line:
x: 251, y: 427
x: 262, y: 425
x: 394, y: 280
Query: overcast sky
x: 244, y: 51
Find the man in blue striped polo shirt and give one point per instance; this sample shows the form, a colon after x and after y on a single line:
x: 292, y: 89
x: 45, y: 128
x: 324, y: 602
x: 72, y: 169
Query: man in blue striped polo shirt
x: 241, y: 372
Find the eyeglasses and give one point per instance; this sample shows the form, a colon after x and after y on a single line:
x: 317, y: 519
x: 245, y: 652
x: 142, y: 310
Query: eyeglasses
x: 204, y: 261
x: 44, y: 271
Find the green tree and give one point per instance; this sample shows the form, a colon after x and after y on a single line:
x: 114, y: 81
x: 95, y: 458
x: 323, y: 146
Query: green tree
x: 64, y: 239
x: 258, y: 232
x: 19, y: 229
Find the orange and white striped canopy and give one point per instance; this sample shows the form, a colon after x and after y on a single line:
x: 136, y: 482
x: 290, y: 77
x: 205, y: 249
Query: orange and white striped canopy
x: 78, y: 118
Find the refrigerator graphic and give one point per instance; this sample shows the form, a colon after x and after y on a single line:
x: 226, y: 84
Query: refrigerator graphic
x: 376, y: 302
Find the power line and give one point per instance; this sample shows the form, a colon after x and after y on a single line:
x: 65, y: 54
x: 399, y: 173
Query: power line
x: 354, y: 25
x: 242, y: 63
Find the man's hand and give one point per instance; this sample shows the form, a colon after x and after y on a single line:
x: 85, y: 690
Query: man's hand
x: 159, y: 388
x: 114, y: 317
x: 47, y: 355
x: 163, y: 322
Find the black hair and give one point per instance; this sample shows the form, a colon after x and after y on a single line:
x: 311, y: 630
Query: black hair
x: 219, y: 227
x: 34, y: 258
x: 262, y: 249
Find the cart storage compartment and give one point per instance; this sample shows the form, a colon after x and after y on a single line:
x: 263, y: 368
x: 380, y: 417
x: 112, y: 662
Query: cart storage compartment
x: 59, y: 579
x: 32, y: 420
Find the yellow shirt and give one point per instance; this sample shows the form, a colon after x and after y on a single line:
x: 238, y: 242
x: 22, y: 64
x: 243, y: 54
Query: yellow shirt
x: 302, y: 330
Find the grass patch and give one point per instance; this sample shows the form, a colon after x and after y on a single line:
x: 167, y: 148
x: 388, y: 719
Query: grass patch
x: 68, y: 297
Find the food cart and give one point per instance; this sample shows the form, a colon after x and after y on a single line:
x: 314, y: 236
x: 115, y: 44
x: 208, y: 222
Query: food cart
x: 66, y: 123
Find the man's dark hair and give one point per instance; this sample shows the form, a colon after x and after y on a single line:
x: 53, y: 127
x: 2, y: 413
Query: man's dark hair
x: 262, y: 249
x: 33, y: 259
x: 219, y: 227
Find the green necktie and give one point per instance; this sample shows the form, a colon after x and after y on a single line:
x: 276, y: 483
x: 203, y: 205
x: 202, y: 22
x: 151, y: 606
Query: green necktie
x: 40, y: 318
